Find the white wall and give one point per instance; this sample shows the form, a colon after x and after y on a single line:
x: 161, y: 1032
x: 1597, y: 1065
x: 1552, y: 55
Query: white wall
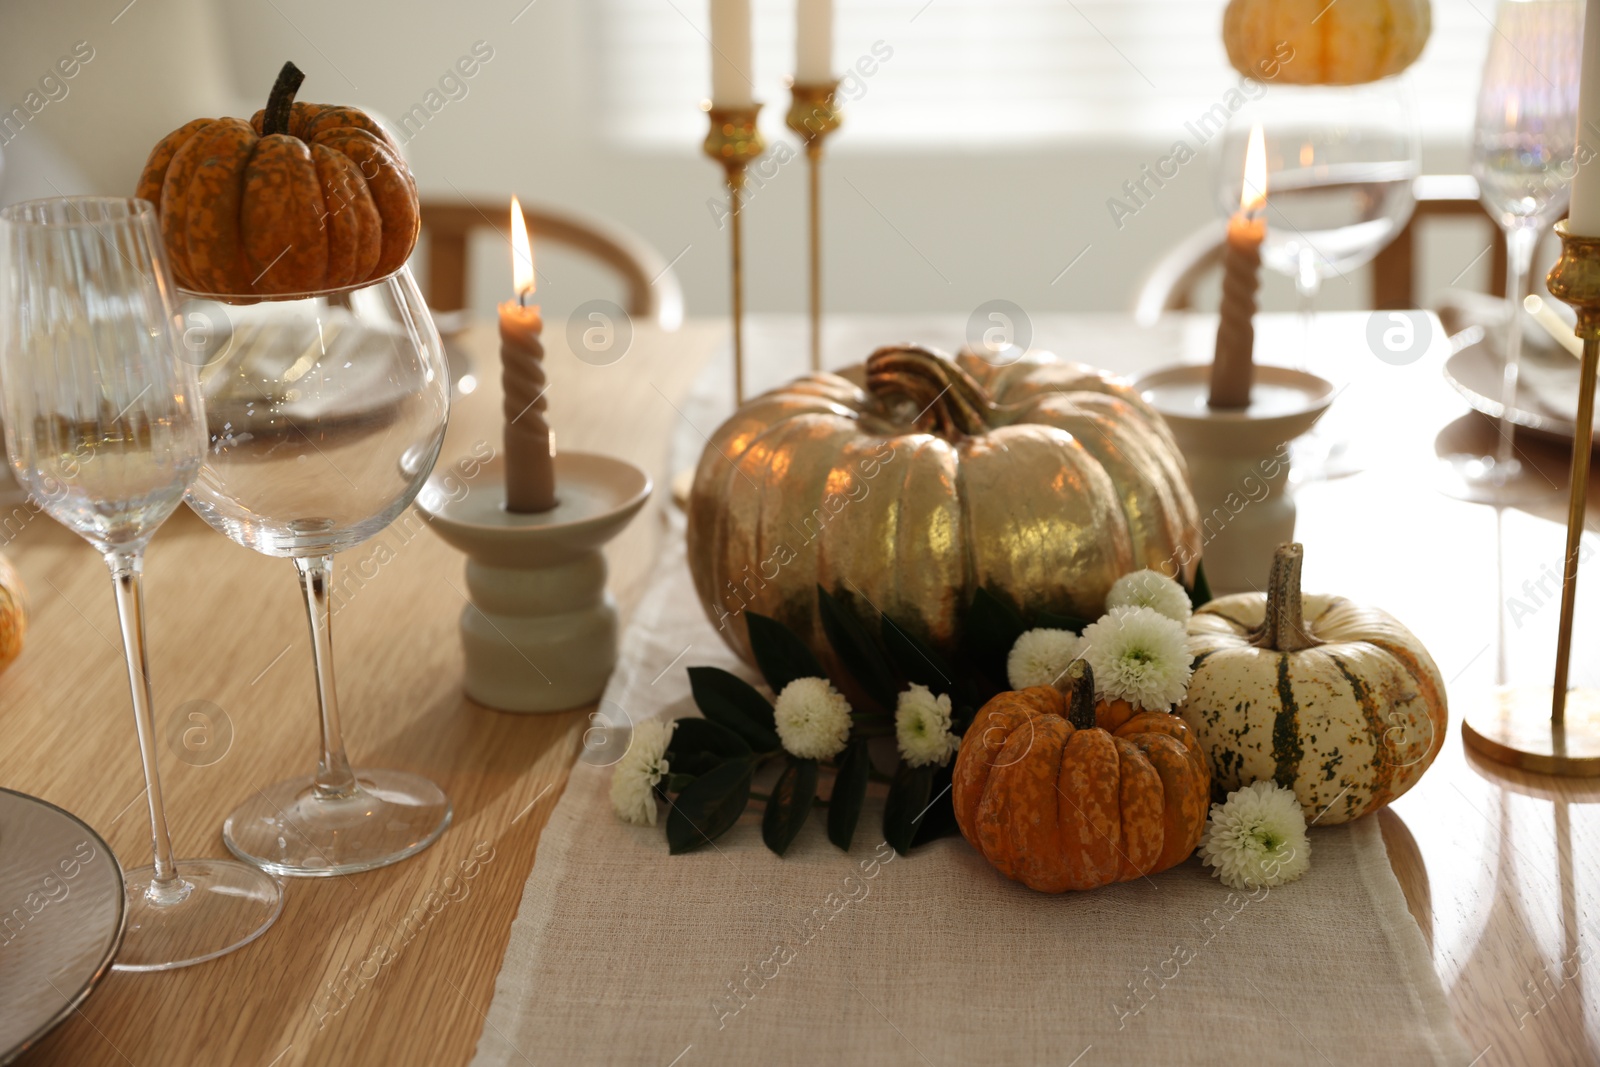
x: 937, y: 230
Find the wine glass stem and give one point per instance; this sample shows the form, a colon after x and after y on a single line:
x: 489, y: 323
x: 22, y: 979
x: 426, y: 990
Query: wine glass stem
x: 1306, y: 283
x: 334, y: 778
x: 127, y: 574
x: 1520, y: 242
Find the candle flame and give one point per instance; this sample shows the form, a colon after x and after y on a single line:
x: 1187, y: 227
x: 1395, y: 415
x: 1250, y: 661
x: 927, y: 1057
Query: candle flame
x: 522, y: 275
x: 1254, y: 193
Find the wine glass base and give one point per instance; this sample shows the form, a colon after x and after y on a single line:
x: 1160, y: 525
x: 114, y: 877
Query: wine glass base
x: 221, y: 906
x: 290, y: 829
x: 1485, y: 480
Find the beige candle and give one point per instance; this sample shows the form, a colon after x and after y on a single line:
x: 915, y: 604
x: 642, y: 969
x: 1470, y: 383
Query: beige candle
x: 530, y: 447
x: 1232, y: 366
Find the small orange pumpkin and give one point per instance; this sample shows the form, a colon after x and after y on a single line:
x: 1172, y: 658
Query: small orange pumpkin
x: 1058, y: 800
x: 302, y: 198
x: 13, y: 613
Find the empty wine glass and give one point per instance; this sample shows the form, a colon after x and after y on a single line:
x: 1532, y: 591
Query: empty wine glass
x: 104, y: 427
x: 1522, y: 150
x: 1341, y: 165
x: 325, y: 412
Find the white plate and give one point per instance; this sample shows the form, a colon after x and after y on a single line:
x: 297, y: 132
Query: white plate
x: 61, y: 917
x: 1547, y: 388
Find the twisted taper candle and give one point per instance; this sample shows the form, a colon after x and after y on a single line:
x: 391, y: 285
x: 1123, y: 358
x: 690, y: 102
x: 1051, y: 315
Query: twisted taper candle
x: 529, y: 444
x: 1232, y: 369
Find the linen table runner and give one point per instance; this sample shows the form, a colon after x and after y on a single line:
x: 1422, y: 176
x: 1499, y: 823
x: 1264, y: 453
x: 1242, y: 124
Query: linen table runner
x: 621, y: 953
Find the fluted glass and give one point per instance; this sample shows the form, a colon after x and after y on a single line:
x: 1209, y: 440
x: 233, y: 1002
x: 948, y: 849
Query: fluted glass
x: 105, y: 429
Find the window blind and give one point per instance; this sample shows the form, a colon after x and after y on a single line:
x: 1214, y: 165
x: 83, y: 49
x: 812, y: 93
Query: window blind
x: 927, y: 73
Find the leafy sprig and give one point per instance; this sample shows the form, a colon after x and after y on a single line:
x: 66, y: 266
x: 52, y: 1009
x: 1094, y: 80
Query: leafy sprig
x: 715, y: 759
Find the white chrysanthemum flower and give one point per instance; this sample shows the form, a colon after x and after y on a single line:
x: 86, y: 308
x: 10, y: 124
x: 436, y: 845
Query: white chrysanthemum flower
x: 1138, y: 655
x: 1150, y: 589
x: 922, y: 727
x: 813, y: 718
x: 1257, y: 838
x: 1040, y: 657
x: 639, y: 771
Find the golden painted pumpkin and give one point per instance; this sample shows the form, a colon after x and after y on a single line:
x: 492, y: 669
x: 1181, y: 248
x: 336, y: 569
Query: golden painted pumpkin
x: 13, y: 613
x: 302, y: 198
x: 1042, y: 480
x: 1314, y: 42
x: 1338, y: 702
x: 1057, y: 801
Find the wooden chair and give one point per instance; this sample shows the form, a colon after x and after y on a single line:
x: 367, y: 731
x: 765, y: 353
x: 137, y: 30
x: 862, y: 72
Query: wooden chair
x: 651, y: 286
x: 1170, y: 286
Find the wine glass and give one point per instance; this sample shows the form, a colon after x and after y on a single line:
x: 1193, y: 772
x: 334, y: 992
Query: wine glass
x: 1341, y: 165
x: 326, y: 412
x: 104, y: 427
x: 1522, y: 151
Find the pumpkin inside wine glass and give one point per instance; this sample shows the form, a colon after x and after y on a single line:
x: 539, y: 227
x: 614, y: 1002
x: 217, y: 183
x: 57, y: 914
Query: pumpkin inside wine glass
x: 903, y: 486
x: 302, y: 198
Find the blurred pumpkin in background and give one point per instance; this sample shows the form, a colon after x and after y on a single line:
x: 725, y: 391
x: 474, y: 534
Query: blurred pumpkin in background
x: 1315, y: 42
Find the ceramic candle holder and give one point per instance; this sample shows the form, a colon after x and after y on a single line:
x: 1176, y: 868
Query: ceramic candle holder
x: 540, y: 633
x: 1239, y: 462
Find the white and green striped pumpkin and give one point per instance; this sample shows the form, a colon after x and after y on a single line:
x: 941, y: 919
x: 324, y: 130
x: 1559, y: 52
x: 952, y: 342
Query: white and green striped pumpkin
x: 1338, y: 702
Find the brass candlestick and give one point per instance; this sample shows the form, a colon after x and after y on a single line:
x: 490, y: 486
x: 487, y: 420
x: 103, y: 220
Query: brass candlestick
x: 1554, y: 731
x: 735, y: 141
x: 813, y: 115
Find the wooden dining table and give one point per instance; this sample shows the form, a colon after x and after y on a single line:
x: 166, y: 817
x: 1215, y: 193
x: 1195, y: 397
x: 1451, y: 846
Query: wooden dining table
x: 1498, y: 866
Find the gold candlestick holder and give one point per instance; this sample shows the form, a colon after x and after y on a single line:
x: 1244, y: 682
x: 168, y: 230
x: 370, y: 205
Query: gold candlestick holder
x: 1557, y: 731
x: 735, y: 142
x: 813, y: 114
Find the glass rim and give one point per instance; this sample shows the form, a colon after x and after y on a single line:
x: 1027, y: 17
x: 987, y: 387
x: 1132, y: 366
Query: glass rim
x: 13, y: 214
x: 263, y: 298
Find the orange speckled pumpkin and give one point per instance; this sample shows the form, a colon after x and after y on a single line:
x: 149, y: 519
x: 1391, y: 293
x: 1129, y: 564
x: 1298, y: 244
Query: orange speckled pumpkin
x: 302, y: 198
x: 1058, y: 800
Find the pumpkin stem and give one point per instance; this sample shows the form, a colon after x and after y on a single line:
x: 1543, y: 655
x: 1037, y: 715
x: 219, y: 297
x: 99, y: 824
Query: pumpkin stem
x: 946, y: 400
x: 281, y: 101
x: 1080, y: 695
x: 1284, y: 628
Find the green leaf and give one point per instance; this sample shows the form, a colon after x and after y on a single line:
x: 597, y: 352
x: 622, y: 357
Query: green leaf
x: 1200, y: 595
x: 1051, y: 621
x: 856, y: 650
x: 675, y: 783
x: 780, y: 654
x: 961, y: 717
x: 940, y: 818
x: 849, y: 793
x: 736, y: 690
x: 920, y: 664
x: 698, y: 745
x: 791, y: 801
x: 989, y: 630
x: 707, y: 808
x: 906, y: 805
x: 730, y: 701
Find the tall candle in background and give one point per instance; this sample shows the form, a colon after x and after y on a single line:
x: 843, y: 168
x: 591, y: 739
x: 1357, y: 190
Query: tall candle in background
x: 1233, y: 369
x: 1584, y: 218
x: 530, y: 446
x: 731, y: 75
x: 813, y: 47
